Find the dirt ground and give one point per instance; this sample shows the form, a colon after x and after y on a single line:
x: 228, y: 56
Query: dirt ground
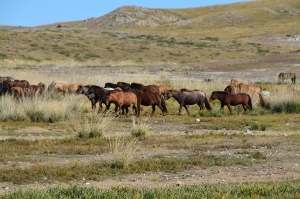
x: 283, y: 163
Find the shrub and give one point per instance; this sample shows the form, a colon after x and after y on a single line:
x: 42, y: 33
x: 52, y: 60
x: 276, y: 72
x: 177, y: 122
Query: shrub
x: 37, y: 109
x: 92, y: 125
x: 289, y: 106
x: 122, y: 151
x: 139, y: 129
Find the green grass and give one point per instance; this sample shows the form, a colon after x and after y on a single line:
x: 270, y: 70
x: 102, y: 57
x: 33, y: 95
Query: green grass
x: 285, y: 189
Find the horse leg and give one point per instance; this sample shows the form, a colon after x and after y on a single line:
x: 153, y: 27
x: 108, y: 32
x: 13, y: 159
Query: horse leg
x: 153, y: 110
x: 245, y: 106
x: 180, y: 107
x: 186, y: 108
x: 200, y: 104
x: 162, y: 109
x: 229, y: 107
x: 100, y: 106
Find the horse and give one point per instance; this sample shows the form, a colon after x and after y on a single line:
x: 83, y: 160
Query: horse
x: 149, y: 88
x: 2, y: 79
x: 34, y: 90
x: 123, y: 84
x: 230, y: 99
x: 237, y: 81
x: 185, y: 98
x: 64, y: 87
x: 121, y: 99
x: 162, y: 89
x: 94, y: 94
x: 287, y: 76
x: 112, y: 85
x: 253, y: 90
x: 17, y: 92
x: 151, y: 99
x: 8, y: 84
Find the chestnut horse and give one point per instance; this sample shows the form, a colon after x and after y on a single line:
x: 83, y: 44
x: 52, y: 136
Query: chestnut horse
x: 149, y: 88
x: 188, y: 97
x: 121, y: 99
x: 151, y: 99
x: 230, y: 99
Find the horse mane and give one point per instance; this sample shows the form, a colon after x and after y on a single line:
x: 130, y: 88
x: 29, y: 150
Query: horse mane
x: 188, y: 90
x: 134, y: 83
x: 221, y: 92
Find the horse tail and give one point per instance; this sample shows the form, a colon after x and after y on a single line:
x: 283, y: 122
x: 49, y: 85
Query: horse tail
x: 207, y: 104
x: 163, y: 104
x: 262, y: 101
x: 250, y: 102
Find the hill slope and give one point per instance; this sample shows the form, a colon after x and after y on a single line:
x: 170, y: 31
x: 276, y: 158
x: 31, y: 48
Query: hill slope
x: 249, y: 30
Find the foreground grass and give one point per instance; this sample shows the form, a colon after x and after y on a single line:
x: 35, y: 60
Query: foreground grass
x: 69, y: 159
x: 288, y: 189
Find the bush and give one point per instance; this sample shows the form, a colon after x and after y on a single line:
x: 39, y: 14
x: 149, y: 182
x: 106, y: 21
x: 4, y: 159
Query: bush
x: 92, y: 125
x: 290, y: 106
x: 122, y: 151
x: 37, y: 109
x: 139, y: 130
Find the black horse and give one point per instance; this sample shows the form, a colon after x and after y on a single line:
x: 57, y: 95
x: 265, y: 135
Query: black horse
x: 188, y: 97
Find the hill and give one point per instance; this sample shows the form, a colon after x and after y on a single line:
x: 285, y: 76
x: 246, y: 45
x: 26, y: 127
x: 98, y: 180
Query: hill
x: 220, y: 34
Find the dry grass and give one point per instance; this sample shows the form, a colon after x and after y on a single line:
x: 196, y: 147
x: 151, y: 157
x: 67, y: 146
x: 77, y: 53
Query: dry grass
x: 216, y: 33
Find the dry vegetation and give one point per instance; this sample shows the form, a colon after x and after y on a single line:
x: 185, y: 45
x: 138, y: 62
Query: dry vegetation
x: 179, y: 48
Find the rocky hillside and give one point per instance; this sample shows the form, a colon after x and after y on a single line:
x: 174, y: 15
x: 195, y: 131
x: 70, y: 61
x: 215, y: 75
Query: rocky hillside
x: 228, y: 14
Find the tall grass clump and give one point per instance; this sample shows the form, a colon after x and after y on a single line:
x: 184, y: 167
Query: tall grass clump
x: 37, y: 109
x: 122, y: 151
x: 92, y: 125
x: 139, y: 129
x: 288, y: 106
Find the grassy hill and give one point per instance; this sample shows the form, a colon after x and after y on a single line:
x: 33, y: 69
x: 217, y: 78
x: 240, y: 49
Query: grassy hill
x: 249, y: 30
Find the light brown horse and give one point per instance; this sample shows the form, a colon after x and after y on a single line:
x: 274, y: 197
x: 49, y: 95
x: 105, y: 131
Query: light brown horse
x: 123, y: 99
x: 64, y: 87
x: 229, y: 99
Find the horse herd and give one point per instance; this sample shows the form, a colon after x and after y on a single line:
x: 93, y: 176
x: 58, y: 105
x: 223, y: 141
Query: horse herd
x: 123, y: 94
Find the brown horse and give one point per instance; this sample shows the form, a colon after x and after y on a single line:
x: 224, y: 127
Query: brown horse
x: 122, y: 99
x: 34, y: 90
x: 149, y: 88
x: 151, y: 99
x: 190, y: 97
x: 230, y: 99
x: 255, y: 92
x: 162, y: 89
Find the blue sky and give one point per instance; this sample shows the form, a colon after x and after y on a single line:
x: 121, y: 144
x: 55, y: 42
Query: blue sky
x: 41, y: 12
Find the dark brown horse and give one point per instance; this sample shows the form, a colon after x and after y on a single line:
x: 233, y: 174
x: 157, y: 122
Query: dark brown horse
x: 185, y: 98
x: 121, y: 99
x: 148, y: 89
x: 151, y: 99
x: 230, y: 99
